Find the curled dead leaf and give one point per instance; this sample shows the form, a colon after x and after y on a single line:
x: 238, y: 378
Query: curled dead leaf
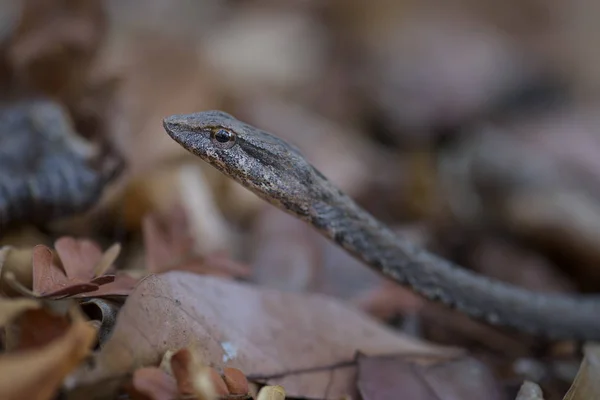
x: 12, y: 308
x: 76, y: 270
x: 233, y: 321
x: 37, y: 374
x: 181, y: 365
x: 17, y: 262
x: 275, y: 392
x: 169, y: 245
x: 236, y: 381
x: 208, y: 384
x: 152, y: 383
x: 530, y: 391
x: 586, y: 384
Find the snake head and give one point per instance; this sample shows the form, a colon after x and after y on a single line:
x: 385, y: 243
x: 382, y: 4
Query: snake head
x: 268, y: 166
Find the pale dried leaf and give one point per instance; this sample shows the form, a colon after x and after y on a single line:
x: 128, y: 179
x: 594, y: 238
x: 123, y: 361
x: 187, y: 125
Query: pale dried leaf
x: 586, y: 384
x: 530, y: 391
x: 263, y: 333
x: 271, y: 393
x: 207, y: 224
x: 18, y: 262
x: 402, y: 377
x: 107, y: 260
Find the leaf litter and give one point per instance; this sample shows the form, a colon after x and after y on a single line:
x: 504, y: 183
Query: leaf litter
x: 267, y: 334
x: 158, y: 314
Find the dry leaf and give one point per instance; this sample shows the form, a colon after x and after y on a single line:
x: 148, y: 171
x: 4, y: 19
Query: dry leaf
x: 181, y: 363
x: 12, y: 308
x: 208, y: 384
x: 52, y: 281
x: 264, y: 333
x: 73, y: 270
x: 530, y: 391
x: 167, y: 239
x: 37, y: 374
x: 586, y: 384
x: 236, y: 381
x: 169, y: 245
x: 271, y: 393
x: 54, y: 44
x: 37, y: 328
x: 401, y: 377
x: 152, y: 383
x: 122, y: 285
x: 17, y: 262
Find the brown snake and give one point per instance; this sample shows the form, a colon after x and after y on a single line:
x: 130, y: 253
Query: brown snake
x: 279, y: 174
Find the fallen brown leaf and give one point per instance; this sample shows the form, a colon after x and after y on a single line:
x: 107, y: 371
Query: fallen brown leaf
x: 37, y: 328
x: 122, y: 286
x: 51, y: 280
x: 271, y: 393
x: 265, y: 333
x: 181, y: 363
x: 401, y: 377
x: 11, y: 308
x: 54, y: 44
x: 76, y: 269
x: 530, y: 391
x: 17, y: 262
x: 169, y: 245
x: 152, y: 383
x: 236, y: 381
x: 586, y: 384
x: 37, y: 374
x: 195, y: 378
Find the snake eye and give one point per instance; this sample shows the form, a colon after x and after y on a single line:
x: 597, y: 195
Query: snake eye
x: 223, y: 138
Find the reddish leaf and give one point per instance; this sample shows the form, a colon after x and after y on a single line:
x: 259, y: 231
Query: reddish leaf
x: 78, y: 257
x: 37, y: 374
x: 170, y: 246
x: 39, y: 327
x: 49, y: 279
x: 181, y: 363
x: 70, y: 271
x: 121, y: 284
x: 153, y: 383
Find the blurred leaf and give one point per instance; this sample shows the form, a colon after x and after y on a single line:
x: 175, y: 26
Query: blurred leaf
x: 181, y: 365
x: 72, y: 270
x: 54, y: 44
x: 153, y: 383
x: 37, y: 374
x: 16, y: 263
x: 402, y: 377
x: 11, y: 308
x: 37, y: 328
x: 169, y: 245
x: 586, y: 384
x: 530, y: 391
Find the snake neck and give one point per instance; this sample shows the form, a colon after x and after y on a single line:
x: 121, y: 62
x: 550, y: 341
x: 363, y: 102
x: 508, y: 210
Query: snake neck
x: 341, y: 220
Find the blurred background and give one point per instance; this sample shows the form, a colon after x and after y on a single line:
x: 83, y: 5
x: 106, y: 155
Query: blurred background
x: 470, y: 127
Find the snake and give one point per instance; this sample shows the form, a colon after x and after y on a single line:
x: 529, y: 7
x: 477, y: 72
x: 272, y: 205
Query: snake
x: 277, y: 172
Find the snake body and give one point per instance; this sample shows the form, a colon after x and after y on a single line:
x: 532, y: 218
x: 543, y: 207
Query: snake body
x: 277, y: 172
